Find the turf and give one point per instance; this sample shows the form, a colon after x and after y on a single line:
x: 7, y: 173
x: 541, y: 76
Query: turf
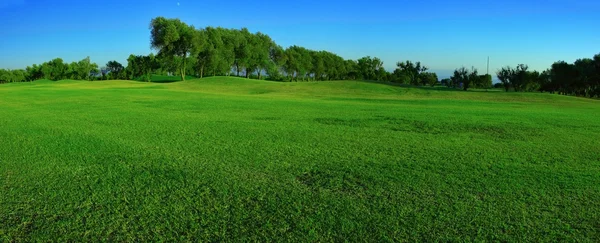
x: 222, y: 159
x: 164, y: 78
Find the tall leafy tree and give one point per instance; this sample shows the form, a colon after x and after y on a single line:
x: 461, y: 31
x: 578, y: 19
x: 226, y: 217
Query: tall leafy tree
x: 278, y: 57
x: 520, y: 76
x: 241, y: 49
x: 263, y: 46
x: 370, y: 68
x: 56, y: 69
x: 34, y: 72
x: 505, y: 75
x: 410, y: 71
x: 465, y: 77
x: 428, y: 78
x: 173, y: 38
x: 141, y: 66
x: 208, y: 55
x: 85, y: 68
x: 115, y: 69
x: 484, y: 81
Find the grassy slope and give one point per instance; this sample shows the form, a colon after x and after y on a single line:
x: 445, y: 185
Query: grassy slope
x: 228, y: 158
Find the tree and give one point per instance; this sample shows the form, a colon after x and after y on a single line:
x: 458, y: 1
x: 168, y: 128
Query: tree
x: 278, y: 57
x: 531, y: 81
x: 115, y: 69
x: 291, y: 64
x: 505, y: 75
x: 260, y: 58
x: 484, y: 81
x: 370, y: 68
x: 241, y: 49
x: 18, y: 75
x: 142, y: 66
x: 586, y: 72
x: 520, y: 76
x: 352, y: 71
x: 208, y: 54
x: 34, y: 72
x: 472, y: 79
x: 318, y: 64
x: 298, y: 62
x: 465, y: 77
x: 55, y: 69
x: 173, y: 38
x: 430, y: 79
x: 446, y: 82
x: 409, y: 71
x: 581, y: 78
x: 84, y: 69
x: 5, y: 76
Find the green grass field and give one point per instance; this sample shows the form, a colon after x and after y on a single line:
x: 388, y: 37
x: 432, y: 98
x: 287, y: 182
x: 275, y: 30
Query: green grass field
x: 232, y: 159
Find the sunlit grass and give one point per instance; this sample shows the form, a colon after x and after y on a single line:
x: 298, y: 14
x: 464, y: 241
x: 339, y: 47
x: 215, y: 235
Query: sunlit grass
x: 234, y: 159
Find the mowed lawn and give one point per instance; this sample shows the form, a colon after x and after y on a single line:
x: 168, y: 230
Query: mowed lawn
x: 232, y: 159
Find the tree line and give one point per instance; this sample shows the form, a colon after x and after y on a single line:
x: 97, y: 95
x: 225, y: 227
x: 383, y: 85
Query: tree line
x: 184, y: 50
x: 55, y: 69
x: 581, y: 78
x: 219, y: 51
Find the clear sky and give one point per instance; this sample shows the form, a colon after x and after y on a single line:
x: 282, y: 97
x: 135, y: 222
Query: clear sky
x: 443, y: 35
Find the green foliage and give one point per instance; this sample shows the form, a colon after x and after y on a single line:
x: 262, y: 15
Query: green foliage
x: 82, y: 70
x: 370, y: 68
x: 173, y: 38
x: 410, y: 73
x: 427, y: 78
x: 581, y: 78
x: 230, y: 159
x: 484, y: 81
x: 55, y: 69
x: 505, y: 75
x: 519, y: 78
x: 142, y: 66
x: 219, y: 51
x: 11, y: 76
x: 115, y: 70
x: 465, y: 78
x: 34, y: 72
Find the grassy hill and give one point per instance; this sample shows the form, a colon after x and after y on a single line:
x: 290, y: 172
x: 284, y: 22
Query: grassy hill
x: 227, y: 158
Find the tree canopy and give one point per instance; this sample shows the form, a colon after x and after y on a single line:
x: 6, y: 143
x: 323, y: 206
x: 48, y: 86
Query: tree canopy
x: 211, y: 51
x: 173, y: 38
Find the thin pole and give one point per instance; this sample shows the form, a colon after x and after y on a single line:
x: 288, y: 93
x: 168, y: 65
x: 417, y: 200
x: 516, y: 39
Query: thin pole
x: 488, y: 66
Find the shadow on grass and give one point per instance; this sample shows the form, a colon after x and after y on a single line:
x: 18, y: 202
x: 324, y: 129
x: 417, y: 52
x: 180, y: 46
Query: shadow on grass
x: 436, y: 88
x: 164, y: 79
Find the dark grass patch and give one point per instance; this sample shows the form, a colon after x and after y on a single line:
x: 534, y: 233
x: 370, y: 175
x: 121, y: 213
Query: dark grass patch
x: 341, y: 122
x: 335, y: 181
x: 407, y: 125
x: 266, y: 118
x: 515, y: 132
x: 512, y: 132
x: 259, y: 92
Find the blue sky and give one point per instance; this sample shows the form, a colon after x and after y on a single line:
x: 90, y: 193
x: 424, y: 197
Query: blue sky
x: 443, y: 35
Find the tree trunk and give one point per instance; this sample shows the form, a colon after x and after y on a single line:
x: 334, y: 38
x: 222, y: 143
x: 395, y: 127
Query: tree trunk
x: 183, y: 69
x: 201, y: 71
x: 259, y: 70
